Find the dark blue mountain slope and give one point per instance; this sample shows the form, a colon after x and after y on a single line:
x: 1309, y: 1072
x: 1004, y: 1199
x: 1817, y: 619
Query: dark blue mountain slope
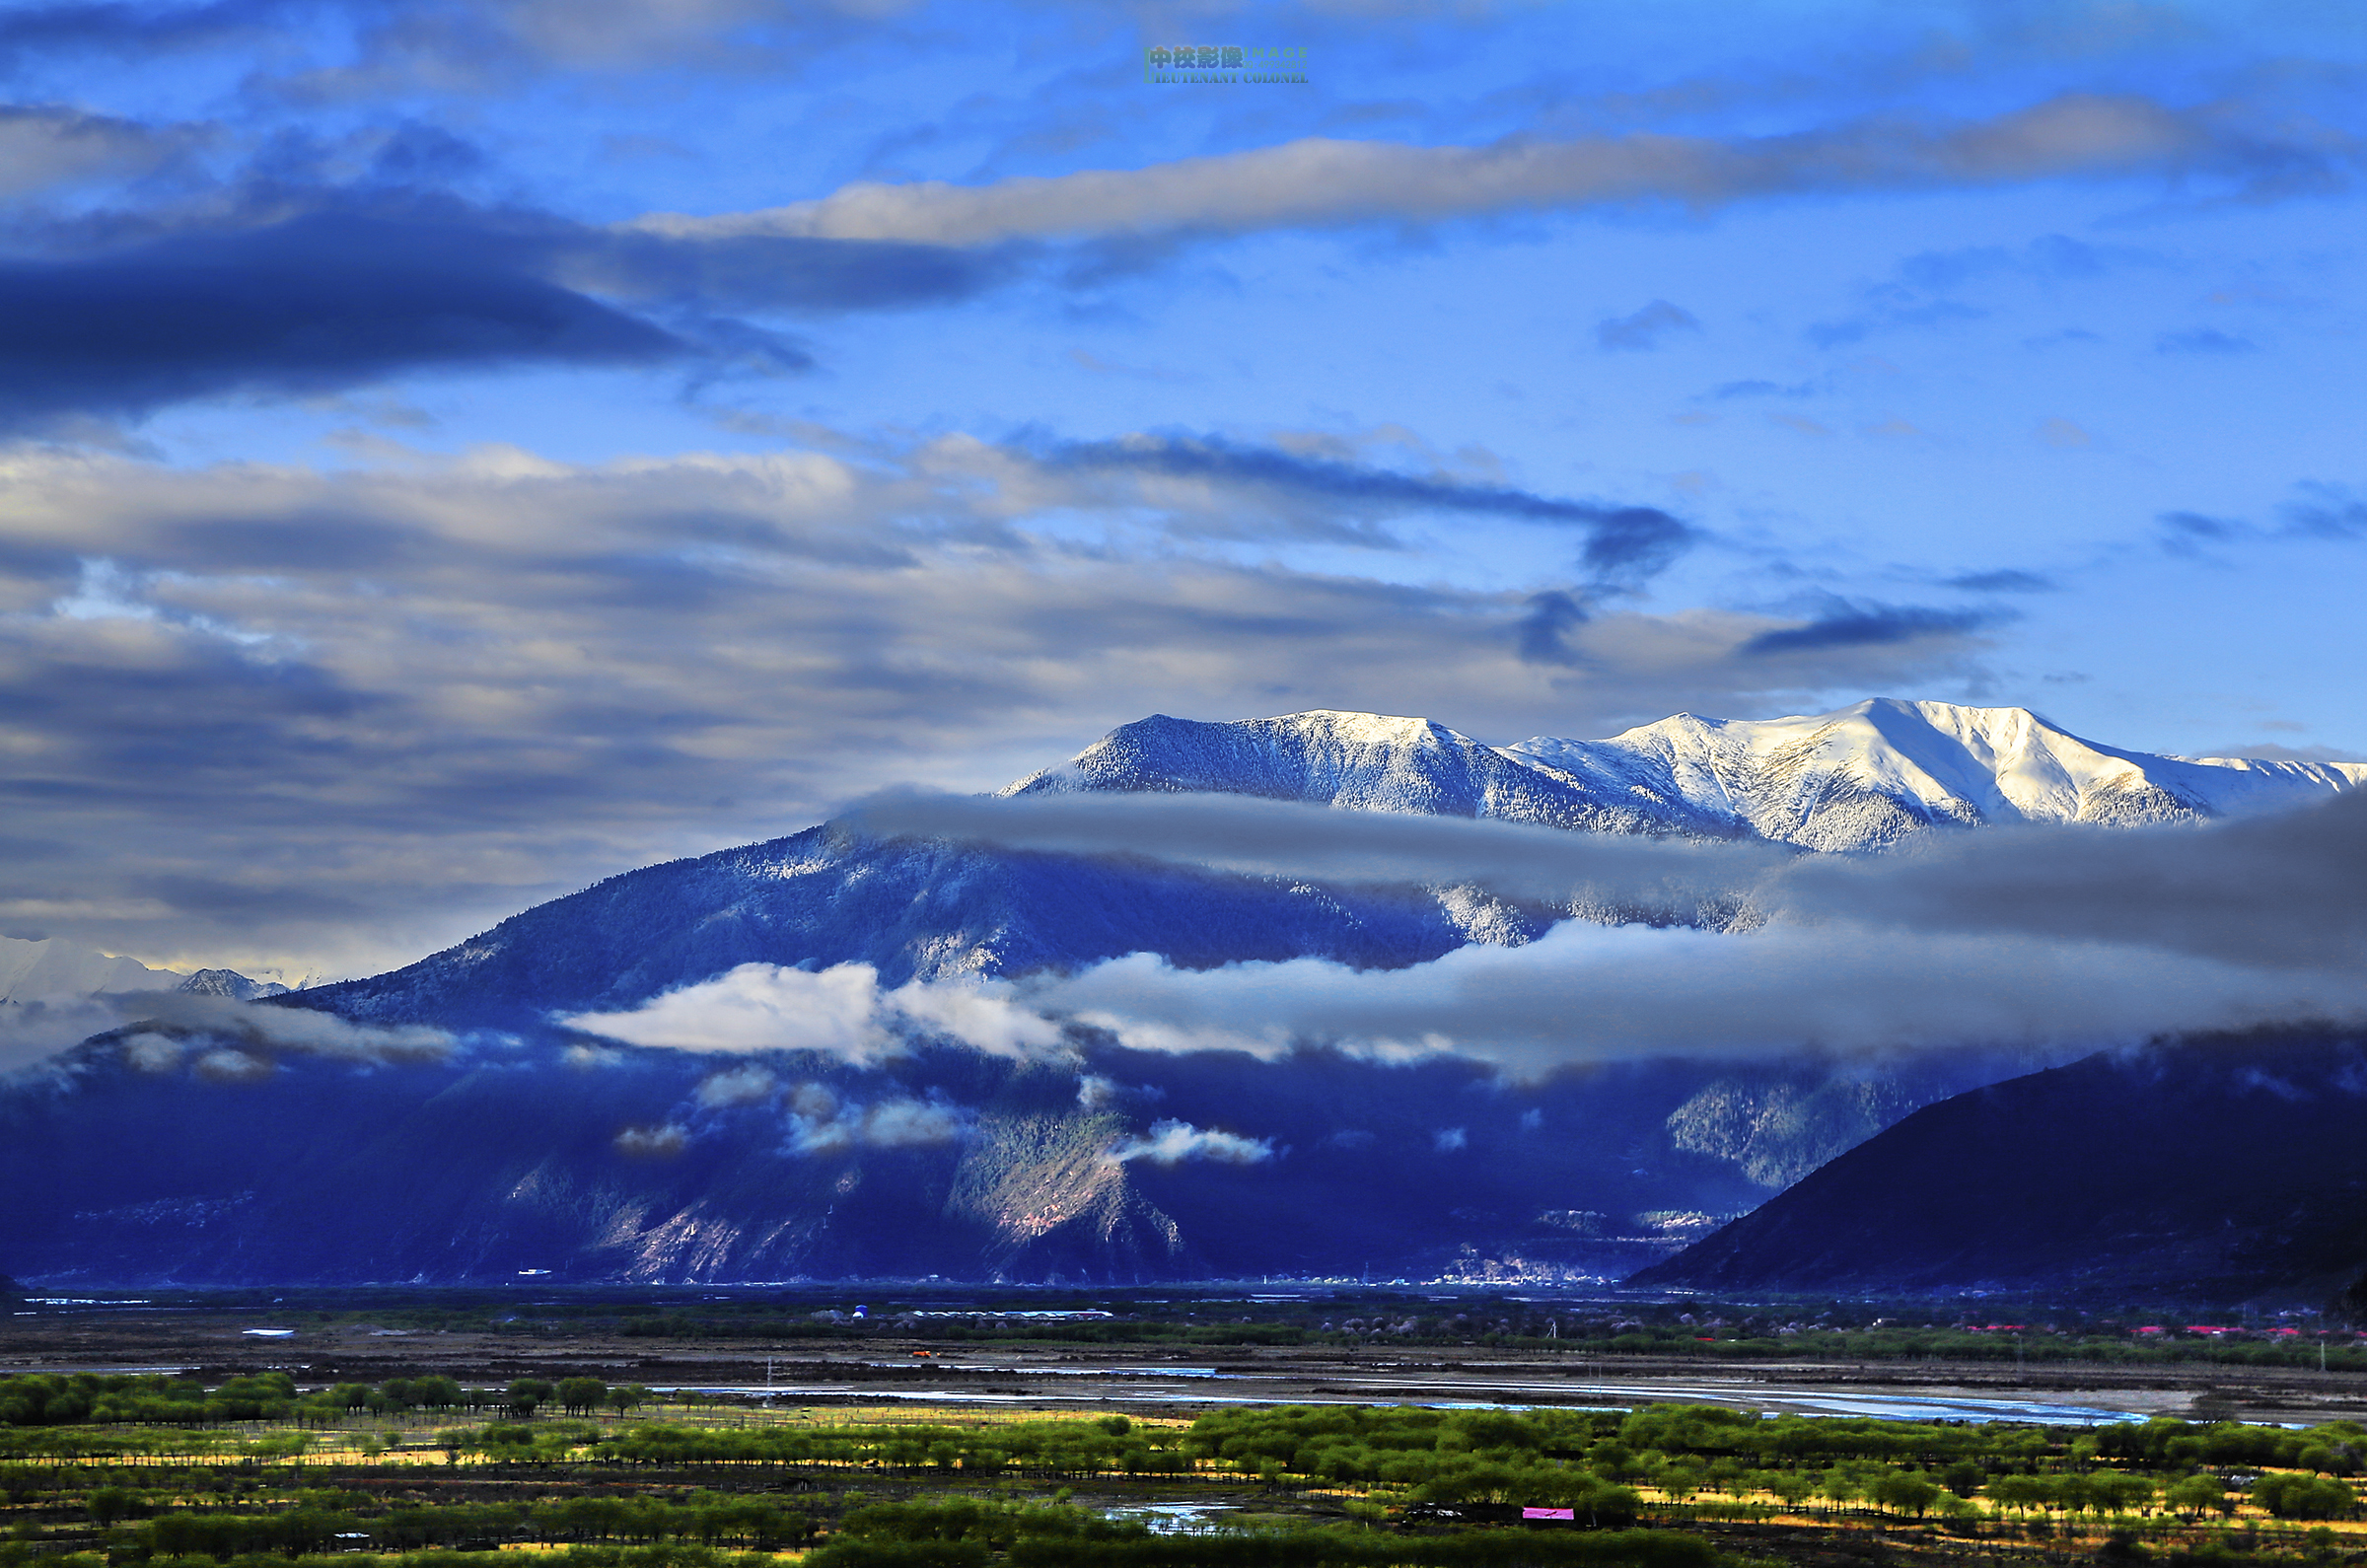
x: 2217, y: 1167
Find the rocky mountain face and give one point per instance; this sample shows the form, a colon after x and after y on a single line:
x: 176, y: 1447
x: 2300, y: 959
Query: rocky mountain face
x: 127, y: 1167
x: 2219, y: 1167
x: 161, y: 1152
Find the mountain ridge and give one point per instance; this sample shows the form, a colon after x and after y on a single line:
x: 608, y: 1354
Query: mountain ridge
x: 1861, y: 778
x: 2217, y: 1166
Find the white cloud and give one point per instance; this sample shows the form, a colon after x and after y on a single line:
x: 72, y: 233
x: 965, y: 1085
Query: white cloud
x: 823, y: 1122
x: 1320, y: 181
x: 176, y: 1023
x: 1173, y: 1142
x: 909, y: 1124
x: 152, y: 1053
x: 738, y: 1085
x: 31, y: 1030
x: 227, y: 1066
x: 980, y: 1015
x: 760, y: 1007
x: 840, y: 1011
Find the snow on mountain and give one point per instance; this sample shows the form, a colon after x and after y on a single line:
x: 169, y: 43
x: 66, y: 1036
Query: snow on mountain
x: 49, y: 970
x: 1358, y: 761
x: 1867, y: 774
x: 52, y: 970
x: 230, y: 984
x: 1858, y: 778
x: 1870, y: 773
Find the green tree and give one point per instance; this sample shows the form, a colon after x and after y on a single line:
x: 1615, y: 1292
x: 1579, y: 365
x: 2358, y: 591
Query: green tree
x: 2290, y: 1496
x: 1907, y: 1492
x: 527, y: 1394
x: 1964, y: 1477
x: 2196, y: 1494
x: 435, y: 1394
x: 581, y: 1395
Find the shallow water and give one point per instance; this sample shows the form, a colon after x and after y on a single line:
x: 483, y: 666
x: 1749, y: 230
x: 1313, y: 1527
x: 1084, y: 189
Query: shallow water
x: 1769, y: 1398
x: 1175, y: 1519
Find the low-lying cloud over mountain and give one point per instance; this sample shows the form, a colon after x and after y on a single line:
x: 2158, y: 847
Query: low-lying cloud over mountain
x: 1671, y: 909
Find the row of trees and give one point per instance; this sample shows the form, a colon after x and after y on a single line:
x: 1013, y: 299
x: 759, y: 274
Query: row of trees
x: 707, y: 1519
x: 965, y: 1533
x: 1111, y: 1445
x: 1680, y: 1450
x: 84, y: 1398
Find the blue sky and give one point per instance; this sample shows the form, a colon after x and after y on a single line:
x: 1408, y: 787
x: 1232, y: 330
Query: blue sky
x: 455, y: 451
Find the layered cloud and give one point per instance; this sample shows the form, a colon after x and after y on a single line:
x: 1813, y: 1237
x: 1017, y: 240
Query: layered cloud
x: 328, y: 289
x: 2276, y: 891
x: 274, y: 718
x: 1586, y: 993
x: 1321, y: 182
x: 2036, y: 936
x: 1287, y: 840
x: 45, y: 146
x: 1620, y: 543
x: 261, y: 1026
x: 215, y: 1036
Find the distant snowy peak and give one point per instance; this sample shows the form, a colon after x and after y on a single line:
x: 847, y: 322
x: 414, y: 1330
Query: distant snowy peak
x: 50, y: 970
x: 230, y: 984
x: 1878, y: 769
x: 1355, y: 762
x: 1864, y: 776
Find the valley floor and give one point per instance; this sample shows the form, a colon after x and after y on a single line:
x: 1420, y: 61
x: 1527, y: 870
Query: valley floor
x: 1182, y: 1380
x: 864, y: 1453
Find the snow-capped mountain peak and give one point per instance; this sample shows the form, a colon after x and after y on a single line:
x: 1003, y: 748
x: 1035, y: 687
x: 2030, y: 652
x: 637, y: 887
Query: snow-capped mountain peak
x: 1870, y: 773
x: 1353, y: 761
x: 1856, y: 778
x: 49, y: 969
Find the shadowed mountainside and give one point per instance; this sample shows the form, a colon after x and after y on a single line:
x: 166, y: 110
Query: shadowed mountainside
x: 2216, y: 1168
x: 128, y: 1165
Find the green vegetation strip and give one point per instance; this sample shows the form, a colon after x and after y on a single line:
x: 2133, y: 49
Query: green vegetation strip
x: 96, y: 1473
